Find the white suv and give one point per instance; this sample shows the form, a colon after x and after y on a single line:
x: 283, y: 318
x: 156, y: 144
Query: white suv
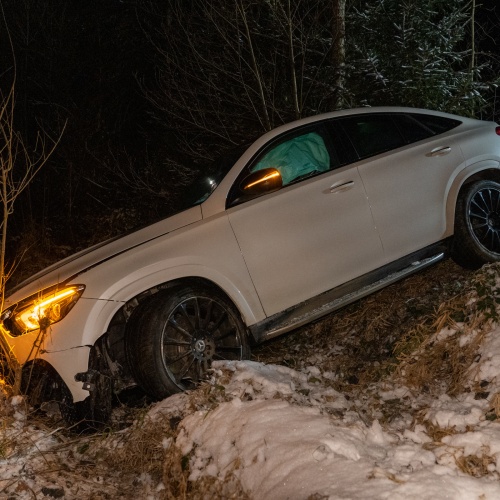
x: 312, y: 216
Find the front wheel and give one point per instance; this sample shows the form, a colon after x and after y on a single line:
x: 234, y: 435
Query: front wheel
x: 174, y: 337
x: 477, y: 225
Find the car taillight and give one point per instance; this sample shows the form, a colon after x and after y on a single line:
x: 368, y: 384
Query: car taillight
x: 497, y: 130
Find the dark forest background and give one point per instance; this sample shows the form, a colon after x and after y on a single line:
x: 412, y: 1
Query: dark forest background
x: 149, y: 92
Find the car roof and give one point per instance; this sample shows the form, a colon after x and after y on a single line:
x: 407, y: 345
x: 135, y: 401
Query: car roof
x: 215, y: 203
x: 356, y: 111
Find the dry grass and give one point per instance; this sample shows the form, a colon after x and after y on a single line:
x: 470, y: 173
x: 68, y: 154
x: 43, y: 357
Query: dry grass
x: 440, y: 364
x: 397, y: 331
x: 148, y: 447
x: 175, y: 475
x: 438, y: 354
x: 366, y: 341
x: 476, y: 466
x: 212, y: 488
x: 435, y: 432
x: 495, y: 407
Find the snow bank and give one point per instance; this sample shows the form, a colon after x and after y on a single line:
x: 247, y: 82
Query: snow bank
x: 279, y: 434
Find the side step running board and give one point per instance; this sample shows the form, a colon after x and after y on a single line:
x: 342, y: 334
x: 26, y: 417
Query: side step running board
x: 330, y: 301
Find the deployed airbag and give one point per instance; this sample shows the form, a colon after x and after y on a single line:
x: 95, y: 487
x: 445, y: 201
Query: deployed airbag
x: 298, y: 157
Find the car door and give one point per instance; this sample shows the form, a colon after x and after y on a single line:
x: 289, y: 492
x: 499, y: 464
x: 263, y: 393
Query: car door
x: 314, y: 233
x: 406, y: 172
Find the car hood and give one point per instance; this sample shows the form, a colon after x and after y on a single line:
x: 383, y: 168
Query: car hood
x: 72, y: 266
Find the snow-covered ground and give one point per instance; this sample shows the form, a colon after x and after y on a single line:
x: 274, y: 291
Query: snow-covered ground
x: 288, y: 442
x: 286, y: 434
x: 269, y: 431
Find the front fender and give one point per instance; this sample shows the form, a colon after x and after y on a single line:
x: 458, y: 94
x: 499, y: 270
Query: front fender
x: 243, y: 297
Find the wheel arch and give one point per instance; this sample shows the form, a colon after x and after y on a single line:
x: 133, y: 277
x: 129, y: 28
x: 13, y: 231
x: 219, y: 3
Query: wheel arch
x: 112, y: 343
x: 484, y: 170
x: 141, y: 298
x: 42, y: 382
x: 145, y: 281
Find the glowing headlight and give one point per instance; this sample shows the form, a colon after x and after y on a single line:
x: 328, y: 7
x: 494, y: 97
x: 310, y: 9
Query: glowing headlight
x: 41, y: 310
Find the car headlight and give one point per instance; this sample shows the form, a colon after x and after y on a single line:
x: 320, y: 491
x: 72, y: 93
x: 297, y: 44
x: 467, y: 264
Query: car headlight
x: 41, y: 309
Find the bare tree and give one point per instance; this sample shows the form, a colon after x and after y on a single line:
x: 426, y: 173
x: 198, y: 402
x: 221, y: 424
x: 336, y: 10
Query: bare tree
x: 227, y: 71
x: 18, y: 167
x: 338, y: 49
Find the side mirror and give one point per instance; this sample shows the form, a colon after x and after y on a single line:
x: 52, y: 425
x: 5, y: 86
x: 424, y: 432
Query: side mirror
x: 261, y: 182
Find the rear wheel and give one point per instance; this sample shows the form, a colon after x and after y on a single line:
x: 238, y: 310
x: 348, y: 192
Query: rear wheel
x: 174, y: 337
x: 477, y: 225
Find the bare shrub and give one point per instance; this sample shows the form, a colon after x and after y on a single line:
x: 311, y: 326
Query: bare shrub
x: 18, y: 167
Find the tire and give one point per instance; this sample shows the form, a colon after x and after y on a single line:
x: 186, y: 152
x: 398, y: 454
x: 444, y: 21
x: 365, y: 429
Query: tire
x: 172, y: 340
x: 477, y: 225
x: 41, y: 383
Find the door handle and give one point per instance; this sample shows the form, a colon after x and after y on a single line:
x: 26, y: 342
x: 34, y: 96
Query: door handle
x: 440, y: 151
x: 341, y: 186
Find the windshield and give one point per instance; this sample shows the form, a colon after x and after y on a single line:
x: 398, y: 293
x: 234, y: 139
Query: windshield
x: 204, y: 185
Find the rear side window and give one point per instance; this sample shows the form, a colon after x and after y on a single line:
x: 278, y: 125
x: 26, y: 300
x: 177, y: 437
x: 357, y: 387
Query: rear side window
x: 436, y: 124
x: 416, y: 127
x: 412, y: 129
x: 372, y: 134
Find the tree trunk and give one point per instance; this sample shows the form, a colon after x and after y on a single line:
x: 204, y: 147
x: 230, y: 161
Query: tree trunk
x: 338, y: 52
